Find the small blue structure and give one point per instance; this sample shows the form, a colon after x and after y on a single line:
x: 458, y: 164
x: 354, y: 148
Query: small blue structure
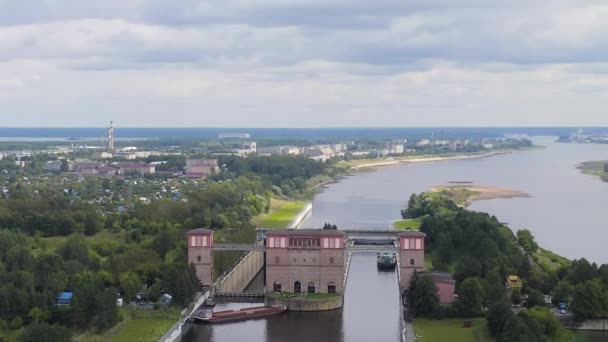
x: 65, y: 298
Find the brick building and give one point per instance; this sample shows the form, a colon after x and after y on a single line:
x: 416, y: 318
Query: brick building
x: 201, y: 168
x: 305, y: 261
x: 411, y: 260
x: 200, y: 242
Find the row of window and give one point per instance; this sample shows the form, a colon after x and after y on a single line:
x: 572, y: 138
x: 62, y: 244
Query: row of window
x: 305, y: 243
x: 297, y: 287
x: 277, y: 260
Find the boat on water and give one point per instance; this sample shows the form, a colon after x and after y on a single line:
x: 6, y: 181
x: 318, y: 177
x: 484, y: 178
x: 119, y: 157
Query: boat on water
x: 386, y: 261
x: 229, y: 316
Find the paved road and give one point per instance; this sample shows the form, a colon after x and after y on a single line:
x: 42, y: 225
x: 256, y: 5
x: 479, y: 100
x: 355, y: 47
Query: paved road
x: 409, y: 335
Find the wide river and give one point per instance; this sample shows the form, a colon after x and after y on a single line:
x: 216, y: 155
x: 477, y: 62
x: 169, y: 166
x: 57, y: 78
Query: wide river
x: 566, y: 212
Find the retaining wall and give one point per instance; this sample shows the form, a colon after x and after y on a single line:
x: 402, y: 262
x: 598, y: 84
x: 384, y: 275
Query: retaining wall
x: 252, y: 263
x: 593, y: 324
x: 242, y: 274
x: 304, y: 304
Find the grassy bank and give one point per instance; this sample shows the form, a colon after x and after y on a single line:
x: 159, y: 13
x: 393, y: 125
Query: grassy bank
x: 595, y: 168
x: 451, y: 330
x: 281, y: 214
x: 137, y: 325
x: 549, y: 261
x: 407, y: 224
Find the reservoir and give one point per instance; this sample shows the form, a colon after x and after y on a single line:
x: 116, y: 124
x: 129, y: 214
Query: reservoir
x: 566, y: 207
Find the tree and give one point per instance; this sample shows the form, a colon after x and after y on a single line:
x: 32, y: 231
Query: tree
x: 181, y: 282
x: 106, y: 310
x: 422, y: 296
x: 16, y: 323
x: 582, y: 271
x: 497, y: 317
x: 39, y: 315
x: 526, y: 240
x: 535, y: 298
x: 48, y: 333
x: 92, y: 223
x: 516, y: 330
x: 130, y: 284
x: 550, y: 325
x: 330, y: 226
x: 470, y: 298
x: 516, y: 297
x: 589, y: 300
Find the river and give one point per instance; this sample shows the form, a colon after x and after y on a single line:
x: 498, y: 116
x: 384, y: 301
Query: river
x: 566, y: 213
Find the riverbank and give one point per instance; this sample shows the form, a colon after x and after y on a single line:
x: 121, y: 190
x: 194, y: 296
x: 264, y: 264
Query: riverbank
x: 595, y: 168
x: 465, y: 194
x: 391, y: 161
x: 281, y: 214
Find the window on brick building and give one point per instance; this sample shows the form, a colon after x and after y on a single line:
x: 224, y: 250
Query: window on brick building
x: 331, y: 260
x: 297, y: 287
x: 276, y: 287
x: 331, y: 288
x: 311, y: 287
x: 198, y: 258
x: 412, y: 261
x: 276, y: 260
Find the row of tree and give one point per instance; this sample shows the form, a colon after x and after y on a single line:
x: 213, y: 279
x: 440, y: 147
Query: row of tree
x: 481, y: 252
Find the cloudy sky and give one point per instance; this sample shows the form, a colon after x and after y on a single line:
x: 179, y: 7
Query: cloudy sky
x: 303, y: 63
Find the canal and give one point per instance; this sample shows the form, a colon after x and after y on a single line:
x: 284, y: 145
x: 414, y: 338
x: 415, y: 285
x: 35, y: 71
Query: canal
x: 562, y: 199
x: 370, y: 312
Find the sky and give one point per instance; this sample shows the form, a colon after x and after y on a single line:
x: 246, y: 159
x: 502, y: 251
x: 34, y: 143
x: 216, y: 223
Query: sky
x: 303, y: 63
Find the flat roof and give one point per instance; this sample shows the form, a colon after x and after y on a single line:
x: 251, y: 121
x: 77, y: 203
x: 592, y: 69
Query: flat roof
x: 411, y: 233
x: 439, y: 277
x: 200, y: 231
x: 306, y: 232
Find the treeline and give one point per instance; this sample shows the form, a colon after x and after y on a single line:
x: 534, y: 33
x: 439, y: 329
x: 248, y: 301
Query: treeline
x: 288, y: 174
x: 32, y: 275
x: 581, y: 285
x: 481, y: 252
x: 218, y: 205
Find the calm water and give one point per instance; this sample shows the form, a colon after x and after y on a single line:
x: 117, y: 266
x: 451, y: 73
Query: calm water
x: 370, y: 313
x: 565, y: 210
x: 566, y: 214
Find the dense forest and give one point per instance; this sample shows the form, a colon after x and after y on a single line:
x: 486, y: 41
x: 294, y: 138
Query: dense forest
x: 481, y: 253
x: 52, y: 241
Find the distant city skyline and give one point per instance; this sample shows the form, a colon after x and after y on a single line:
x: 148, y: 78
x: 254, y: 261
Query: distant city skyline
x: 307, y: 64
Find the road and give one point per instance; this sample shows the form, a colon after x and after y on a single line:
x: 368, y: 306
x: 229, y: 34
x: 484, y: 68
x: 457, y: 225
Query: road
x: 409, y: 335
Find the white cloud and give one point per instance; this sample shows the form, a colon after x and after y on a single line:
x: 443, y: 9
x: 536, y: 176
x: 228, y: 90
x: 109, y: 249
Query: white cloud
x: 303, y: 63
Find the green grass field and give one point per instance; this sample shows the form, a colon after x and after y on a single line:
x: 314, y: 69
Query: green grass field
x: 548, y: 260
x: 280, y: 215
x: 451, y: 330
x: 407, y: 224
x: 145, y: 330
x: 137, y: 326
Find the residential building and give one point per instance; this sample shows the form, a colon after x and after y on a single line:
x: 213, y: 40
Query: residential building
x: 135, y: 168
x: 64, y: 298
x: 201, y: 168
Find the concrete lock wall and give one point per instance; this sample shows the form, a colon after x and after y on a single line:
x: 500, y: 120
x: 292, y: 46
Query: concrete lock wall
x: 242, y: 274
x: 245, y: 271
x: 594, y: 324
x: 304, y: 304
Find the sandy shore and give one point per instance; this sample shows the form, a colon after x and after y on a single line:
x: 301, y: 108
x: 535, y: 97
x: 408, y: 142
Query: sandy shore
x: 465, y: 194
x: 386, y: 162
